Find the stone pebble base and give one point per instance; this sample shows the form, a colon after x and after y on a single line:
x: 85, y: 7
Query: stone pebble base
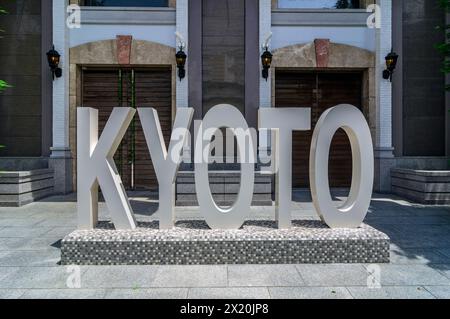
x: 193, y: 243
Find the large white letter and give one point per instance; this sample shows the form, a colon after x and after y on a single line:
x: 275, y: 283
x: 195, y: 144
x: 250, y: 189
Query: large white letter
x: 225, y: 116
x: 166, y: 163
x: 283, y: 121
x: 96, y: 168
x: 353, y: 212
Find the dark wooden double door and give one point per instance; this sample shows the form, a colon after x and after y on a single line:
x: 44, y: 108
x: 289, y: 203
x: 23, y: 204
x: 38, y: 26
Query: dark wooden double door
x: 105, y: 89
x: 319, y: 91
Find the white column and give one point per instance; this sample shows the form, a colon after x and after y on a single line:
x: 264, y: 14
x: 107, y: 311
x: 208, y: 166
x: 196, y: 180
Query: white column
x: 61, y: 85
x: 384, y: 158
x: 61, y: 156
x: 182, y: 87
x: 183, y: 29
x: 265, y: 87
x: 265, y: 27
x: 447, y: 103
x: 384, y: 87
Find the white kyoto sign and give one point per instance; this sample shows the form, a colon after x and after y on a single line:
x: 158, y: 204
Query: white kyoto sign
x: 96, y: 167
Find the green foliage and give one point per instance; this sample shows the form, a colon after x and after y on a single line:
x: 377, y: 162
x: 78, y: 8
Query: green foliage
x: 2, y: 11
x: 444, y: 4
x: 346, y: 4
x: 3, y: 84
x: 444, y: 48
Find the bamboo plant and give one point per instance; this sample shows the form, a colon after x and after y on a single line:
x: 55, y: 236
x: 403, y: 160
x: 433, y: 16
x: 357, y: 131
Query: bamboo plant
x: 3, y: 84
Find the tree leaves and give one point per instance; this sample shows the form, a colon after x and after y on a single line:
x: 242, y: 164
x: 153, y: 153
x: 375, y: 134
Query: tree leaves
x: 3, y: 84
x: 445, y: 4
x: 444, y: 48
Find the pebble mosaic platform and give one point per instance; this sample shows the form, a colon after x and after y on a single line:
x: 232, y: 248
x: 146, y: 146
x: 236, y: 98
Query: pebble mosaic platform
x: 193, y: 243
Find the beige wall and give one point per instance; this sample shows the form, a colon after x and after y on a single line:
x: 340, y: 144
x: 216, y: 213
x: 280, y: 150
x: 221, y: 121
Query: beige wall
x: 364, y: 3
x: 341, y: 57
x: 172, y: 3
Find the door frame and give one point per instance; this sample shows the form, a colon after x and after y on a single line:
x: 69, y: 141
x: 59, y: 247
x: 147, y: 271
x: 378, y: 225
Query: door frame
x: 316, y: 71
x: 368, y: 106
x: 79, y: 98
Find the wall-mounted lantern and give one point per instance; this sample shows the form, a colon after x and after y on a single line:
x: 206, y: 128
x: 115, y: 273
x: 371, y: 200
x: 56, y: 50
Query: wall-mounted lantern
x: 391, y: 64
x: 266, y: 59
x: 181, y: 63
x: 53, y: 58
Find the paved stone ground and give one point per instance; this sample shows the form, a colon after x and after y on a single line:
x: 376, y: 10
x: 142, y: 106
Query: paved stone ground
x: 420, y: 253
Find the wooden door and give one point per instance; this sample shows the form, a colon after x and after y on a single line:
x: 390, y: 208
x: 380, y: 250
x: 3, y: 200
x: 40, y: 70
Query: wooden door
x: 105, y: 89
x: 320, y: 91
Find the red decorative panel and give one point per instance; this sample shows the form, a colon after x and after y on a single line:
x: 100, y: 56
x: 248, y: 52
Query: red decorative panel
x: 124, y: 49
x: 322, y: 52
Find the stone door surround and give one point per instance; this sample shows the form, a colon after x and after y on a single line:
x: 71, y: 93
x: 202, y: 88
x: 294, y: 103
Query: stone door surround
x: 322, y: 54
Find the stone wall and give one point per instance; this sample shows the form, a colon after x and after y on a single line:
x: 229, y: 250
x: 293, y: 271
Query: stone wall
x: 20, y: 66
x: 423, y: 82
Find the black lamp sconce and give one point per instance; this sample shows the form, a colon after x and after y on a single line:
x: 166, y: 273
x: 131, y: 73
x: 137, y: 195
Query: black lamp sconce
x: 54, y: 58
x: 266, y: 59
x: 391, y: 64
x: 181, y: 58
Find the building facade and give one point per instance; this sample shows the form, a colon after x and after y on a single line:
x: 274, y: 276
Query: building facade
x: 324, y: 53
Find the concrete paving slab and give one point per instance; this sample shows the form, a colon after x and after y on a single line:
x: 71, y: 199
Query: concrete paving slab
x: 406, y: 292
x: 445, y: 252
x: 419, y: 267
x: 310, y: 293
x: 413, y: 256
x: 11, y: 293
x: 229, y: 293
x: 20, y: 222
x: 59, y: 222
x: 30, y: 259
x: 443, y: 269
x: 21, y: 232
x: 333, y: 275
x: 30, y: 244
x: 411, y: 275
x: 440, y: 292
x: 36, y: 278
x: 147, y: 294
x: 119, y: 277
x: 7, y: 271
x: 64, y: 294
x: 60, y: 232
x: 191, y: 276
x: 264, y: 275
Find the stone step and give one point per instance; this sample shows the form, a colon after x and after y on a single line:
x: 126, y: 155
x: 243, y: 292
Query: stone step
x: 24, y: 187
x: 425, y: 187
x: 224, y: 186
x: 19, y: 200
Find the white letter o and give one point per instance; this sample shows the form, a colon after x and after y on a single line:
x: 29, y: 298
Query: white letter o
x: 224, y: 116
x: 355, y: 209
